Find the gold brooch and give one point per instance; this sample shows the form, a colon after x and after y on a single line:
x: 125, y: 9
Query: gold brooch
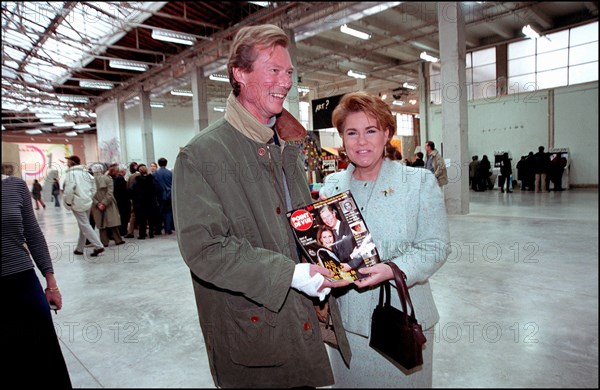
x: 388, y: 192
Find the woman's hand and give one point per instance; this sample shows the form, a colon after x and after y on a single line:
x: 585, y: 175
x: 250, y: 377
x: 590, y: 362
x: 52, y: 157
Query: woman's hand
x: 378, y: 273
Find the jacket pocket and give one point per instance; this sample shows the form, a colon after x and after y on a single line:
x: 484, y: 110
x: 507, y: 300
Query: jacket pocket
x: 254, y: 339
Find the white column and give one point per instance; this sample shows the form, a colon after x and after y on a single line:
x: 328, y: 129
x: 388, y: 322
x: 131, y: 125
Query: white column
x: 200, y: 99
x: 454, y: 142
x: 147, y: 133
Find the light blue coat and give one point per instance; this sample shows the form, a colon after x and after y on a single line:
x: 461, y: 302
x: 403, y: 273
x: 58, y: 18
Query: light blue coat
x: 406, y: 215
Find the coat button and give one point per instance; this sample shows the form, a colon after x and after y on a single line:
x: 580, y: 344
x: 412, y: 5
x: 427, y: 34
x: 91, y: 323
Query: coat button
x: 254, y: 319
x: 307, y: 326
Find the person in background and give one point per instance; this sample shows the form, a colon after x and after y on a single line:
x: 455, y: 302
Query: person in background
x: 133, y: 173
x: 418, y: 160
x: 153, y: 168
x: 405, y: 212
x: 473, y: 172
x: 79, y: 189
x: 121, y: 196
x: 541, y: 166
x: 36, y: 192
x: 435, y: 163
x: 393, y: 152
x: 145, y: 202
x: 32, y: 354
x: 165, y: 178
x: 483, y: 174
x: 104, y: 209
x: 505, y: 173
x: 56, y: 192
x: 254, y: 295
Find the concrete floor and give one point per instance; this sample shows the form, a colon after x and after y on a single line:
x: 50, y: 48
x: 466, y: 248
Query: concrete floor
x: 518, y: 300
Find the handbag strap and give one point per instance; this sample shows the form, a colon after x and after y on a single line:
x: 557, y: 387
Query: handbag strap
x: 403, y: 294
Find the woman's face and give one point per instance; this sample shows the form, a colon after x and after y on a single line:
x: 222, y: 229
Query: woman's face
x: 327, y: 239
x: 364, y: 141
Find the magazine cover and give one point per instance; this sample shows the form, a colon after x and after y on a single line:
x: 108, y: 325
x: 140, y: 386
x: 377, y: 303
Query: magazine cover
x: 333, y: 234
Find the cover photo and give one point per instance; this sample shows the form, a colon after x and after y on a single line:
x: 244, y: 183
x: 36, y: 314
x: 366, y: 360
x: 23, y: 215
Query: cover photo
x: 333, y: 233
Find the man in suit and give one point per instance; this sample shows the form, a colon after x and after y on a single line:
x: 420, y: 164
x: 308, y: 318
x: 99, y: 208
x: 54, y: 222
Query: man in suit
x: 344, y: 243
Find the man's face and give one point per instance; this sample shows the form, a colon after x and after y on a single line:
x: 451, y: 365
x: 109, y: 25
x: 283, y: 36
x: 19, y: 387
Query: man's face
x: 263, y: 90
x: 328, y: 217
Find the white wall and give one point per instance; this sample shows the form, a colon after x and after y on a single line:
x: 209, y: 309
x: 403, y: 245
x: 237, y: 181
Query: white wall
x: 172, y: 128
x: 519, y: 124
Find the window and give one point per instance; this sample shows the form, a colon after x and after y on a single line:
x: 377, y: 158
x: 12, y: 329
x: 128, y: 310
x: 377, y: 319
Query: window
x: 404, y: 125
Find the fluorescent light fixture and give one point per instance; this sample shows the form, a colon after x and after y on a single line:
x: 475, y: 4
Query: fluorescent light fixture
x: 413, y: 101
x: 34, y: 131
x: 48, y: 115
x: 303, y: 89
x: 219, y: 77
x: 64, y: 124
x: 73, y: 99
x: 96, y: 84
x: 175, y: 37
x: 260, y: 3
x: 71, y: 134
x: 51, y: 120
x: 408, y: 85
x: 398, y: 103
x: 157, y: 104
x: 182, y: 92
x: 357, y: 75
x: 80, y: 127
x: 530, y: 32
x: 427, y: 57
x: 383, y: 97
x: 355, y: 33
x: 130, y: 65
x: 219, y: 109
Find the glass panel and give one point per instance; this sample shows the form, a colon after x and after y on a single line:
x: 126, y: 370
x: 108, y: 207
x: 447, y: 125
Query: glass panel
x: 583, y: 73
x: 485, y: 90
x: 521, y: 49
x: 583, y: 53
x: 468, y: 60
x: 521, y: 83
x: 435, y: 82
x: 553, y: 60
x: 484, y: 73
x: 521, y: 66
x: 552, y: 78
x: 555, y: 41
x: 584, y: 34
x: 484, y: 57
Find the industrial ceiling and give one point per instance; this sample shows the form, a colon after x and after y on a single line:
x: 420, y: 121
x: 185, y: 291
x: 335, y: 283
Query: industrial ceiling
x: 60, y: 56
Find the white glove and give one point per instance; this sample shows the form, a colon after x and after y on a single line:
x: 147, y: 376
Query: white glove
x: 302, y: 281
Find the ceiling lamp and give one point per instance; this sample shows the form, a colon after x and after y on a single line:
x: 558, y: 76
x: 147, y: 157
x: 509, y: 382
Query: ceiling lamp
x: 530, y: 32
x: 157, y: 104
x: 355, y: 33
x: 71, y: 134
x: 303, y: 89
x: 129, y: 65
x: 427, y: 57
x: 398, y: 103
x: 96, y: 84
x: 357, y: 75
x: 175, y: 37
x: 413, y: 101
x: 73, y: 99
x: 36, y: 131
x: 64, y: 124
x: 219, y: 109
x: 219, y: 77
x: 182, y: 92
x: 408, y: 85
x: 82, y: 126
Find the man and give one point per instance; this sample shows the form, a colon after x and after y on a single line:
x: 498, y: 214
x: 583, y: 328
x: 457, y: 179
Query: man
x: 473, y: 172
x: 541, y: 167
x: 343, y: 244
x: 133, y: 173
x: 165, y: 179
x: 435, y: 163
x: 232, y: 186
x: 79, y: 189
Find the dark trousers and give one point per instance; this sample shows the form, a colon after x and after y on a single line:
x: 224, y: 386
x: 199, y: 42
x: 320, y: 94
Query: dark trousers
x: 30, y: 348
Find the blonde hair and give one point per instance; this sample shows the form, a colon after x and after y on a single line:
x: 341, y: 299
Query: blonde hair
x: 243, y: 52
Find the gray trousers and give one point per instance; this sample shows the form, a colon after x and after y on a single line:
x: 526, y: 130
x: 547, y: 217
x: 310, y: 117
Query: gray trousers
x: 86, y: 230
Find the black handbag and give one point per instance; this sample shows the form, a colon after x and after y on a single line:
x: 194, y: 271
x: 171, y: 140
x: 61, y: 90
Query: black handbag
x: 395, y: 334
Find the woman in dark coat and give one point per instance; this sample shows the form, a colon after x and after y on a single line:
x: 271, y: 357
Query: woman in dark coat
x: 483, y: 174
x: 145, y: 202
x: 121, y: 196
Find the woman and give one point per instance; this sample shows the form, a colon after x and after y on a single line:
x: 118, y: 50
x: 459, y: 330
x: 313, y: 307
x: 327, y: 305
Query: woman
x: 32, y: 355
x: 104, y: 209
x: 145, y: 202
x: 36, y: 192
x: 56, y: 192
x: 404, y: 210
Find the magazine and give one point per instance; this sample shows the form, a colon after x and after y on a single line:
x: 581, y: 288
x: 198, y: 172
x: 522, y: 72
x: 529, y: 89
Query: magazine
x: 333, y: 234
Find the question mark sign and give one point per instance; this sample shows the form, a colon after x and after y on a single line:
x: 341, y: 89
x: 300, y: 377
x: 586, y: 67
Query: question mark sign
x: 326, y: 103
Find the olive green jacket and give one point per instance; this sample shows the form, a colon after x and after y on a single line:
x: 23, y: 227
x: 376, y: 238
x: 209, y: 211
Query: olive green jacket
x: 230, y: 209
